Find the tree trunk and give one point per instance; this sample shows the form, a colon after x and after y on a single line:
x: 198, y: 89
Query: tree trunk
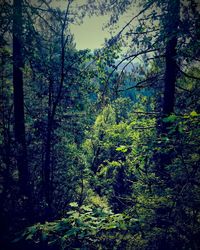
x: 171, y: 66
x: 19, y: 126
x: 165, y: 157
x: 47, y: 162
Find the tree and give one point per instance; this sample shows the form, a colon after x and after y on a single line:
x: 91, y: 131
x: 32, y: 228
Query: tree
x: 20, y: 136
x: 171, y: 31
x: 56, y: 103
x: 113, y: 155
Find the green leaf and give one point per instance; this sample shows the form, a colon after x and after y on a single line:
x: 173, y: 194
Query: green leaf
x: 193, y: 113
x: 170, y: 118
x: 29, y: 237
x: 73, y: 204
x: 86, y: 208
x: 72, y: 232
x: 122, y: 149
x: 110, y: 226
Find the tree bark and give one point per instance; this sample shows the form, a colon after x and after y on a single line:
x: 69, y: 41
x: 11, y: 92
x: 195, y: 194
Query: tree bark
x: 19, y: 126
x: 165, y: 157
x: 47, y: 162
x: 52, y: 107
x: 171, y: 66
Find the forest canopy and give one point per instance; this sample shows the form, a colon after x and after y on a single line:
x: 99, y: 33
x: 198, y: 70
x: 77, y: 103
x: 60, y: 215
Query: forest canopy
x: 99, y: 149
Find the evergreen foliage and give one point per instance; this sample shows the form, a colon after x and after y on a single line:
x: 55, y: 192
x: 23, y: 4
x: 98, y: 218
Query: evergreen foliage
x: 93, y: 156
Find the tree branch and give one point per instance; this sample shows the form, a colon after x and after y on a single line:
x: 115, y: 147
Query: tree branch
x: 139, y: 83
x: 187, y: 75
x: 113, y: 39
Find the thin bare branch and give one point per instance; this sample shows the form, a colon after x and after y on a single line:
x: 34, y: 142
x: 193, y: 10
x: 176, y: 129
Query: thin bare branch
x: 187, y: 75
x: 138, y: 84
x: 136, y: 16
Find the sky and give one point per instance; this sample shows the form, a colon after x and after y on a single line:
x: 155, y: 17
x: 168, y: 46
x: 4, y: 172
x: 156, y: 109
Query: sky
x: 90, y: 33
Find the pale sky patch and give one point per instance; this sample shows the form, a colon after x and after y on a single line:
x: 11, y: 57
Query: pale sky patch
x: 90, y: 34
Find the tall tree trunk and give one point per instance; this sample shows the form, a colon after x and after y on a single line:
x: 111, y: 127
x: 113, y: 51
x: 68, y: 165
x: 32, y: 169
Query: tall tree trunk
x: 47, y: 162
x: 165, y: 157
x: 171, y: 66
x: 171, y: 28
x: 52, y: 107
x: 19, y: 126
